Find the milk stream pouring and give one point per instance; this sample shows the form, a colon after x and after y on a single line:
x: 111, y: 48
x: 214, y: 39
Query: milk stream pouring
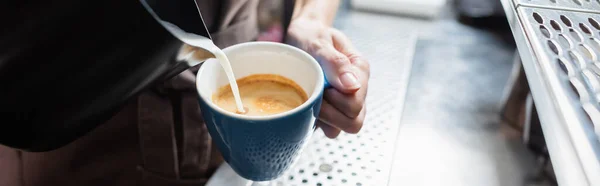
x: 200, y: 48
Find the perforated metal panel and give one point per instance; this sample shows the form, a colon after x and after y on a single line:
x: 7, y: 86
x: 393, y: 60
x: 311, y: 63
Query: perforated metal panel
x: 575, y: 5
x: 567, y: 47
x: 571, y: 41
x: 362, y: 159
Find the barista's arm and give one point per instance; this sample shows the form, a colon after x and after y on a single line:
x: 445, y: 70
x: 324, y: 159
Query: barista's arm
x: 322, y: 10
x: 310, y: 29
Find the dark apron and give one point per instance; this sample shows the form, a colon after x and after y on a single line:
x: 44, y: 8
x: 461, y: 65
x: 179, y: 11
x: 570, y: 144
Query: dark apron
x: 157, y: 139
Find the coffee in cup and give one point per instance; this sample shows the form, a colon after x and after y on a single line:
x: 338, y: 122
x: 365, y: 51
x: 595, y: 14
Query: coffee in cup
x: 262, y: 95
x: 261, y: 148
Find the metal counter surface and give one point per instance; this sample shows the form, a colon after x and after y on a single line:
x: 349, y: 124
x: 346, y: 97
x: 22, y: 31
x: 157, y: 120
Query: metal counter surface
x: 451, y: 132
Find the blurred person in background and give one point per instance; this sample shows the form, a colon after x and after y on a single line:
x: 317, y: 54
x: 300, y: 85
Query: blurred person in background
x: 113, y: 154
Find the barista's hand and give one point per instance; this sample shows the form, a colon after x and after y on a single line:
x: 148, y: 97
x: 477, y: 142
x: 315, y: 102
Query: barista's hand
x: 348, y: 72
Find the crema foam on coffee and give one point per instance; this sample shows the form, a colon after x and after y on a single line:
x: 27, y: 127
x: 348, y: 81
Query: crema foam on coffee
x: 262, y: 95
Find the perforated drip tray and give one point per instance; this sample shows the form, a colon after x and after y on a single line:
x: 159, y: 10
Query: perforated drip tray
x: 565, y: 44
x: 362, y: 159
x: 571, y: 43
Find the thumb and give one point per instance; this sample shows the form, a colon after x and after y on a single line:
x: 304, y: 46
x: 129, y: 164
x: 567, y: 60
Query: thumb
x: 340, y: 73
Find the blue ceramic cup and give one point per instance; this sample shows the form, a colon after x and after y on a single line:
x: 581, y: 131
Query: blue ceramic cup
x: 261, y: 148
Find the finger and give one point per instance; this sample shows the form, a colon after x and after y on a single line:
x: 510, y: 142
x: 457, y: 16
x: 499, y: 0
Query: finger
x: 343, y: 44
x: 349, y: 104
x: 340, y: 73
x: 335, y: 118
x: 330, y: 132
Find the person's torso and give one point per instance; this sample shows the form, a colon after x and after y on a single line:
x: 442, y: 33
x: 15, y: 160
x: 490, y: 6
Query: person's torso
x: 113, y: 153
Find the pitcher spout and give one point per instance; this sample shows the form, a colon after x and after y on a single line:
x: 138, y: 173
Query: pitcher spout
x: 188, y: 56
x: 193, y: 55
x: 184, y: 21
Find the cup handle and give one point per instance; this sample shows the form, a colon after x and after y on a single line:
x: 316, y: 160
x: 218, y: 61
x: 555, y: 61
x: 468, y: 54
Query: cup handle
x: 326, y: 84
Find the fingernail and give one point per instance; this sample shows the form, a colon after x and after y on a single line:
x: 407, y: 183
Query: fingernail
x: 349, y: 80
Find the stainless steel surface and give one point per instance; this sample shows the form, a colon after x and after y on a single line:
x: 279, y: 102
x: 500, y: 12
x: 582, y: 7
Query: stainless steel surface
x: 558, y: 46
x: 451, y: 132
x: 365, y: 158
x: 184, y: 21
x: 181, y: 18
